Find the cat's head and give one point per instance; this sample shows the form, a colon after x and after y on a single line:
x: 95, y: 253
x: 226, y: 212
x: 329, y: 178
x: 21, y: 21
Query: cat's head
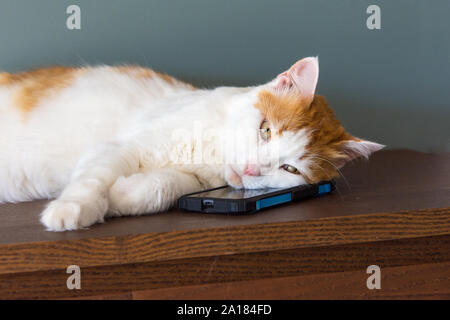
x: 297, y: 139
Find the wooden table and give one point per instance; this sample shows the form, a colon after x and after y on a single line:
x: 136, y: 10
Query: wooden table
x: 392, y: 211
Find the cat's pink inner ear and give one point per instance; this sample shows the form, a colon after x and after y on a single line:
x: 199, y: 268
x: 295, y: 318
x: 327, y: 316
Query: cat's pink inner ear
x: 283, y: 81
x: 303, y: 75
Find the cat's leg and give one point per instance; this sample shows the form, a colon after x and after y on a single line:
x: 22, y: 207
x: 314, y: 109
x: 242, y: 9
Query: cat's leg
x: 150, y: 192
x: 84, y: 201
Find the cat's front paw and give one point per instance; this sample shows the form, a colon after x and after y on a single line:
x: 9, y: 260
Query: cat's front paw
x: 63, y: 215
x: 232, y: 178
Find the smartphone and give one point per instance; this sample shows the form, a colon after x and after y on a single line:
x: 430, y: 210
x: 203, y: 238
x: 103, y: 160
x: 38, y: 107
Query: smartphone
x: 244, y: 201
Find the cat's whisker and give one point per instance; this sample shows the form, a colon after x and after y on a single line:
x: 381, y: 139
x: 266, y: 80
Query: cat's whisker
x: 337, y: 169
x: 329, y: 177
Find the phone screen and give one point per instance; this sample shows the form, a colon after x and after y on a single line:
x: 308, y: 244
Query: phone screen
x: 231, y: 193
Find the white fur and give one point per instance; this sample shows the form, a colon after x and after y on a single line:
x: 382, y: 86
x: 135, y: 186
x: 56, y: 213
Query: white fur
x: 111, y: 141
x: 111, y: 144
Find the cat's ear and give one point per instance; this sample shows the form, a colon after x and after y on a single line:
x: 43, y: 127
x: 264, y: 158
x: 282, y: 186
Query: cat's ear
x: 356, y: 148
x: 302, y: 76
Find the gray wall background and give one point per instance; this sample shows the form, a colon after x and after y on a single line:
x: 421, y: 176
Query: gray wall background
x: 389, y: 85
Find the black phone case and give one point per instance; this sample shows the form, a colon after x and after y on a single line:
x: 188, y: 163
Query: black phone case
x: 253, y: 204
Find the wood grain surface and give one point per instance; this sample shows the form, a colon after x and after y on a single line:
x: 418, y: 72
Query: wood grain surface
x: 393, y: 209
x: 128, y: 278
x: 426, y: 281
x: 222, y: 241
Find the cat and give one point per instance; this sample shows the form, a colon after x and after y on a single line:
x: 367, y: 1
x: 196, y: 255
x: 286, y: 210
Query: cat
x: 126, y: 140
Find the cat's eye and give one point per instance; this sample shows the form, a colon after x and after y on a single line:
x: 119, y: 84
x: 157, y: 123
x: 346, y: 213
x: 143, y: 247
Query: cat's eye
x: 264, y: 130
x: 290, y: 169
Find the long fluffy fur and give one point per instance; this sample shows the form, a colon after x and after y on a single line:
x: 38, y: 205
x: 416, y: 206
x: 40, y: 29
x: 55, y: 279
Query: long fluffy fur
x: 128, y: 140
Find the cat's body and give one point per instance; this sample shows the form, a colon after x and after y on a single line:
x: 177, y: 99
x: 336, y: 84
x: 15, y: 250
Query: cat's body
x: 128, y: 140
x: 41, y: 146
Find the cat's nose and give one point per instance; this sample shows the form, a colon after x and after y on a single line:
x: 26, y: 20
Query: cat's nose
x: 252, y: 170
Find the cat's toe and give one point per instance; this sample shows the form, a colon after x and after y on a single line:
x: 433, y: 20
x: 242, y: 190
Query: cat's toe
x: 61, y: 216
x: 68, y: 215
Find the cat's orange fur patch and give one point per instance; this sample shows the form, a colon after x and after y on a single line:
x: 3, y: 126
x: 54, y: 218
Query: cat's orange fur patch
x: 5, y: 78
x: 32, y: 86
x: 135, y: 71
x: 146, y: 73
x: 291, y: 112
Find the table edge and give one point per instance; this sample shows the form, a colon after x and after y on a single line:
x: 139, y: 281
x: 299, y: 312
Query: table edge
x: 182, y: 244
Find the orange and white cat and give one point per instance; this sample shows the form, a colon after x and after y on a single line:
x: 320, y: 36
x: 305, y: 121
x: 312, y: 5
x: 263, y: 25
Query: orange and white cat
x: 113, y: 141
